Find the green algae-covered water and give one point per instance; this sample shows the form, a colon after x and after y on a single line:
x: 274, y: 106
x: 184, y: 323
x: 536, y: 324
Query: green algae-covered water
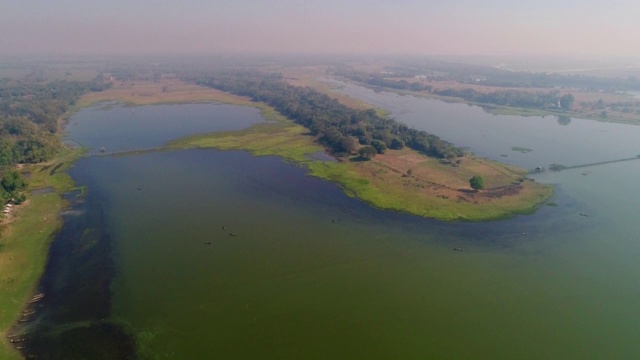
x: 312, y: 273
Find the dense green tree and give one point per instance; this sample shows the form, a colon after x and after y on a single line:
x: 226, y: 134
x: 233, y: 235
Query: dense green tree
x: 367, y: 152
x: 13, y: 181
x: 379, y: 146
x: 477, y: 183
x: 12, y: 186
x: 566, y: 101
x: 396, y: 144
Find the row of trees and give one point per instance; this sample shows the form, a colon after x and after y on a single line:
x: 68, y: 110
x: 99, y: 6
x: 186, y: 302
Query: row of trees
x: 43, y: 103
x: 538, y: 100
x: 339, y: 127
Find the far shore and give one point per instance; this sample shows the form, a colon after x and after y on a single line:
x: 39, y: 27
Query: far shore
x: 511, y: 110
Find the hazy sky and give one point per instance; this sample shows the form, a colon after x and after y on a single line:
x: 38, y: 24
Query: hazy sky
x: 502, y: 27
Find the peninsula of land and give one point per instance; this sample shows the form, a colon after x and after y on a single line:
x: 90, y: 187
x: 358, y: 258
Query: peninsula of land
x: 402, y: 179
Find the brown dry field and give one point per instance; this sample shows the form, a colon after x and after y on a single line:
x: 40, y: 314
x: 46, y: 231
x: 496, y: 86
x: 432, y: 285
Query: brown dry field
x: 435, y: 178
x: 168, y: 90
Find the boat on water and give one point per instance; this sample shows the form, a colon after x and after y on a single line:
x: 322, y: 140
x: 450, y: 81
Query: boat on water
x: 36, y: 298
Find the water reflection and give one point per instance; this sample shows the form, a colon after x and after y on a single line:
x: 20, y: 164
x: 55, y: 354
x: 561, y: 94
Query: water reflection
x: 564, y: 120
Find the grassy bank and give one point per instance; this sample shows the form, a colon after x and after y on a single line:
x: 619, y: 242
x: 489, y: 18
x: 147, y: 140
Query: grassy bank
x: 435, y: 189
x: 24, y: 242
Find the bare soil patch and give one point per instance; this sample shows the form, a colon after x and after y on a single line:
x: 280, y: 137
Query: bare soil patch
x: 432, y: 178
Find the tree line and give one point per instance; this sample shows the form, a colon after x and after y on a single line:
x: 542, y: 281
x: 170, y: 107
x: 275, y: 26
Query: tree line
x: 500, y: 77
x: 537, y: 100
x: 516, y: 98
x: 341, y: 128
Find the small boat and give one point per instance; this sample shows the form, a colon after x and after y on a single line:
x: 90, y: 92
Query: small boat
x: 36, y: 298
x: 224, y: 228
x: 458, y: 249
x: 232, y: 234
x: 103, y: 149
x: 208, y: 242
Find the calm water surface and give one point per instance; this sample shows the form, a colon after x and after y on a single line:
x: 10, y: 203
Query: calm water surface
x: 551, y: 139
x: 120, y: 128
x: 312, y: 273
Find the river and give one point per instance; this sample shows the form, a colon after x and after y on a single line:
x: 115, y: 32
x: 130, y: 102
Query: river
x: 312, y: 273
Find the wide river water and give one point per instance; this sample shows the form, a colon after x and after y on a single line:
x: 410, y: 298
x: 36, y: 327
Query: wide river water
x: 312, y: 273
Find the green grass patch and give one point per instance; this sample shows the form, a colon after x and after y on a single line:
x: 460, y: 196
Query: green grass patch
x: 280, y: 137
x: 25, y: 240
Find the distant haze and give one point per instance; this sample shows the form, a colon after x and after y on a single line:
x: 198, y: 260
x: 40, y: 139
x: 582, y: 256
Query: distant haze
x: 484, y: 27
